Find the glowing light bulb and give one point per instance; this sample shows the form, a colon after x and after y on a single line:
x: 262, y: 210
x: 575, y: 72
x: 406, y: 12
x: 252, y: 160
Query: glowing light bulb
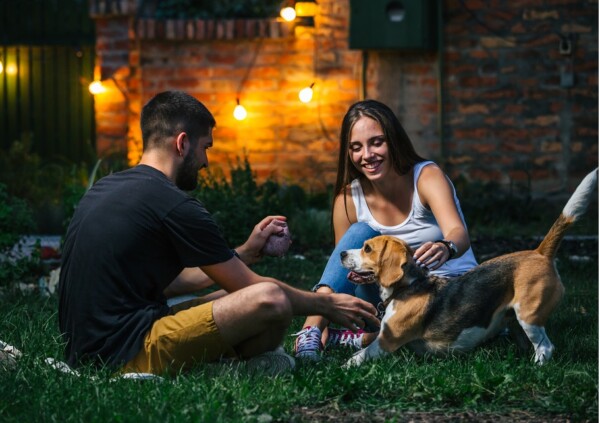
x: 11, y: 69
x: 1, y: 67
x: 306, y: 94
x: 288, y: 13
x: 96, y: 87
x: 240, y: 112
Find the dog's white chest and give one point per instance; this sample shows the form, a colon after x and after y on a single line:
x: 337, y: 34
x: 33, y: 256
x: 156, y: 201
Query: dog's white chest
x: 385, y: 293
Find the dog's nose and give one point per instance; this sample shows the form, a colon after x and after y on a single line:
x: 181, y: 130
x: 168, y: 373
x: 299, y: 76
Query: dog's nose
x: 343, y: 254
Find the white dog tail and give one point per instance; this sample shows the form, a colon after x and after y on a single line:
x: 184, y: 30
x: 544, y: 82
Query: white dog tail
x: 572, y: 211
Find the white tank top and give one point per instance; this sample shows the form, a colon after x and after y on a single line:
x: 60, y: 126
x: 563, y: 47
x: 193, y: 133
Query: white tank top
x: 420, y: 225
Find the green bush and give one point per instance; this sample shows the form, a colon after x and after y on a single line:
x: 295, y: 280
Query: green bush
x: 491, y: 209
x: 51, y: 189
x: 311, y: 230
x: 16, y: 220
x: 238, y: 205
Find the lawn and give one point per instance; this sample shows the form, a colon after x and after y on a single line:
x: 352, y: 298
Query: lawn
x: 494, y: 383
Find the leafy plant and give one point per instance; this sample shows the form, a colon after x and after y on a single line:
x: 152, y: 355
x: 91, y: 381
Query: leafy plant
x: 50, y: 188
x: 492, y: 210
x: 311, y: 230
x: 16, y: 219
x: 239, y: 204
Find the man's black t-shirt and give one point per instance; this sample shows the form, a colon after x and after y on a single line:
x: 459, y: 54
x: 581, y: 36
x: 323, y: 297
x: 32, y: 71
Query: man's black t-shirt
x: 131, y: 235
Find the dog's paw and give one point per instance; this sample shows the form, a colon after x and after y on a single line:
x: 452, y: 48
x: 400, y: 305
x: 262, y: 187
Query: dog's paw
x: 356, y: 360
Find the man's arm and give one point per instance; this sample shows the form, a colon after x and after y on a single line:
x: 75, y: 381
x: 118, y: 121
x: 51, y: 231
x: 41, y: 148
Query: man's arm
x: 193, y: 279
x: 345, y: 310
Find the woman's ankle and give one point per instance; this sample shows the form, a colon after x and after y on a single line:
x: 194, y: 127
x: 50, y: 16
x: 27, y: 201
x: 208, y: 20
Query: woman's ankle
x: 319, y: 322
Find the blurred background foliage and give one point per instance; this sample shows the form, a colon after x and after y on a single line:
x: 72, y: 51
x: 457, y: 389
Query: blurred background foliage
x: 38, y: 197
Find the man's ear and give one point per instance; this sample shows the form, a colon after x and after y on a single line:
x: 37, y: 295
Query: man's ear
x: 181, y: 144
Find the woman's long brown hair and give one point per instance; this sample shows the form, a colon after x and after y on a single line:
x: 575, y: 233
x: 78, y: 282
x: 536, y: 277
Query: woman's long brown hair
x: 402, y: 152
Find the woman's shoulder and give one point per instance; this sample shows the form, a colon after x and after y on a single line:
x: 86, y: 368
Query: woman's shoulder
x: 430, y: 171
x: 343, y: 204
x: 344, y: 197
x: 432, y: 182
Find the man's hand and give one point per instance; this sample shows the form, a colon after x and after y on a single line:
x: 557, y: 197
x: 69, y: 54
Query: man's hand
x: 250, y: 251
x: 350, y: 312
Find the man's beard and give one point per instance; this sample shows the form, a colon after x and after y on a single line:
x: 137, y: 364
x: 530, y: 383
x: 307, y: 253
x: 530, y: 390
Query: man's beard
x: 186, y: 178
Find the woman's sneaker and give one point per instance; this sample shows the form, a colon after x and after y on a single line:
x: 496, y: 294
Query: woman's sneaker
x: 345, y: 338
x: 308, y: 344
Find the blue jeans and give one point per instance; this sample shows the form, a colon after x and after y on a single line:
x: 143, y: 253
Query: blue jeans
x: 334, y: 275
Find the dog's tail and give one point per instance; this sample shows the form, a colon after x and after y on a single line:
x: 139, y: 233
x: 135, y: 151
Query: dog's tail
x: 573, y: 210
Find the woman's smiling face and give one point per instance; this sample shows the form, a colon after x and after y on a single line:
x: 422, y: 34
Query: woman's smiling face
x: 368, y: 148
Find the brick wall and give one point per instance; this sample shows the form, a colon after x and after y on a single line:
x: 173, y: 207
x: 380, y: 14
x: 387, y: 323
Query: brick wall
x: 506, y: 115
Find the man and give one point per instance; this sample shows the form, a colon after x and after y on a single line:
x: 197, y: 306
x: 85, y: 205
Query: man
x: 136, y: 238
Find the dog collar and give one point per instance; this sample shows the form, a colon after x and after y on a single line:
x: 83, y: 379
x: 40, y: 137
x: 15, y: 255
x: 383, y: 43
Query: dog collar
x: 399, y: 288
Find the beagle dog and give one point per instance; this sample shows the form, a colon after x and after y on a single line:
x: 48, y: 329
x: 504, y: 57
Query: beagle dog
x: 438, y: 315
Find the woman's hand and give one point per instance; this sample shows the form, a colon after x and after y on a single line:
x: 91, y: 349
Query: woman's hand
x: 431, y: 255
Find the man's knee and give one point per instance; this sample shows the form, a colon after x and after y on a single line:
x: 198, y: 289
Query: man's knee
x: 272, y: 303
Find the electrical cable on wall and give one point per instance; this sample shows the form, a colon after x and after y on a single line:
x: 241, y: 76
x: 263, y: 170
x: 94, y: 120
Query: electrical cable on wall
x: 324, y: 130
x: 240, y: 112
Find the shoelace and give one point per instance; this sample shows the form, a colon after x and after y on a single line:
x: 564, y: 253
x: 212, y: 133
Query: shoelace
x: 309, y: 339
x: 344, y: 337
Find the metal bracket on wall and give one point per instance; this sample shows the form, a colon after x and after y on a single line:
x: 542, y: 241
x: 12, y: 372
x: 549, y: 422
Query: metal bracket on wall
x: 565, y: 45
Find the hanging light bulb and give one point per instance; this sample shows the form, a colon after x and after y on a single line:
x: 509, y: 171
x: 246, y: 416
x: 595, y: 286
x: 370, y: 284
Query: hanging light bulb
x: 1, y: 67
x: 239, y: 112
x: 96, y: 87
x: 11, y: 69
x: 306, y: 94
x: 288, y: 13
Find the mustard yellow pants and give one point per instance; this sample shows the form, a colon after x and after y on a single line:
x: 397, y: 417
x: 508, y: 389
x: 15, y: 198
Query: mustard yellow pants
x: 178, y: 341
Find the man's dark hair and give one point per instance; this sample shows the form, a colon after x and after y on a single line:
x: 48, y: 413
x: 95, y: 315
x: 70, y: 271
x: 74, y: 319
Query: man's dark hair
x: 171, y: 112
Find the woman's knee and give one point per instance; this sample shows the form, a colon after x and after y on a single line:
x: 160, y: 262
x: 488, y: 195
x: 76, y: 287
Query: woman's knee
x: 357, y: 234
x: 334, y: 275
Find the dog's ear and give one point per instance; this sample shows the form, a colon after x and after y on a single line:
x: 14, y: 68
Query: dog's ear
x: 392, y: 260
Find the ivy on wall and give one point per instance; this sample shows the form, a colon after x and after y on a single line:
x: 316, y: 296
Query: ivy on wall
x: 215, y: 8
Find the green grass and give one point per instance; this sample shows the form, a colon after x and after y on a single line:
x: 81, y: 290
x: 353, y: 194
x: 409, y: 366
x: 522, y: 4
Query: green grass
x: 493, y: 380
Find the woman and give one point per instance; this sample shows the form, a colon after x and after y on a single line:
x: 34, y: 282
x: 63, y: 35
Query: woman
x: 384, y: 187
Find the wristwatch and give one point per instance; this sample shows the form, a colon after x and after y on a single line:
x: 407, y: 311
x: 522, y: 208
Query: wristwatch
x: 451, y: 246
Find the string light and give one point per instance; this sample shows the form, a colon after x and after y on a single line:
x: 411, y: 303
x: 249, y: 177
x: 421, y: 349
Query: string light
x: 239, y: 112
x: 306, y: 94
x: 288, y: 13
x: 11, y: 69
x: 96, y: 87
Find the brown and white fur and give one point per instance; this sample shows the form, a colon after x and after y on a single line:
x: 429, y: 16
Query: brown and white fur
x: 438, y: 315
